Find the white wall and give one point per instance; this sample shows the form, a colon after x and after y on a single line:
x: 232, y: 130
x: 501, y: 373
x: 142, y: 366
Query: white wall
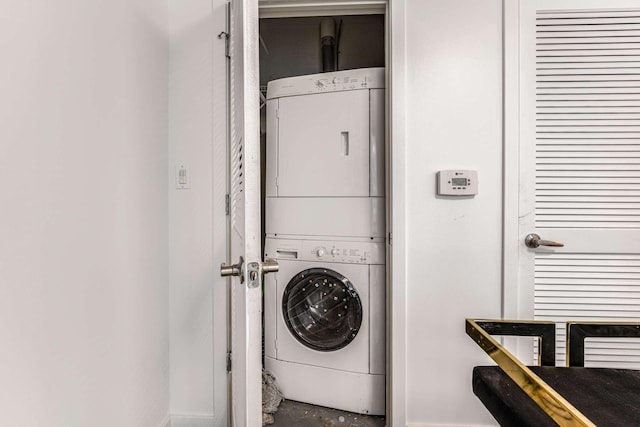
x: 197, y: 215
x: 454, y: 120
x: 83, y: 224
x: 83, y: 258
x: 454, y: 110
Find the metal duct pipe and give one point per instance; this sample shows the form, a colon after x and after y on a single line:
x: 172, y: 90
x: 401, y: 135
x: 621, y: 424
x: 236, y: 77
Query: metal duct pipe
x: 328, y: 43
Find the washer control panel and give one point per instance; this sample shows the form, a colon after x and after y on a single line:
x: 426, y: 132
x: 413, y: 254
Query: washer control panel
x: 328, y: 251
x: 342, y: 253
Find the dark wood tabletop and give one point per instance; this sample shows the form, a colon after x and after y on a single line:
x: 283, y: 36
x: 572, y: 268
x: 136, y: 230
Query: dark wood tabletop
x: 608, y: 397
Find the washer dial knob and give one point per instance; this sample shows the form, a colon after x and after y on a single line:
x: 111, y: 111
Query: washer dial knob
x: 320, y: 252
x: 335, y: 252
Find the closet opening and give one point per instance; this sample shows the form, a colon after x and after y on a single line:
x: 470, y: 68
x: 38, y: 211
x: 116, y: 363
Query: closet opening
x: 325, y: 204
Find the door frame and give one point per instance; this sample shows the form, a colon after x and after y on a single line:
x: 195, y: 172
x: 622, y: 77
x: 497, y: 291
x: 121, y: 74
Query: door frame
x: 517, y: 295
x: 511, y: 158
x: 517, y: 300
x: 396, y: 216
x: 220, y: 218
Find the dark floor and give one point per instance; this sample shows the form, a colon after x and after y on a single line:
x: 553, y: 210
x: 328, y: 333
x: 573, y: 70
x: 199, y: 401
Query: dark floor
x: 297, y: 414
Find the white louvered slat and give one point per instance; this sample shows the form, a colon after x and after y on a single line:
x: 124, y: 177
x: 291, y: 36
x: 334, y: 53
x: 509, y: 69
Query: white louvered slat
x: 574, y: 147
x: 599, y: 60
x: 545, y: 141
x: 601, y: 258
x: 552, y: 201
x: 586, y: 78
x: 236, y: 99
x: 552, y: 295
x: 547, y: 41
x: 567, y: 174
x: 587, y: 53
x: 580, y: 21
x: 603, y: 168
x: 579, y: 281
x: 569, y: 69
x: 631, y: 161
x: 599, y: 47
x: 571, y: 192
x: 586, y: 16
x: 554, y: 35
x: 589, y: 212
x: 577, y: 153
x: 586, y: 71
x: 604, y: 72
x: 595, y: 224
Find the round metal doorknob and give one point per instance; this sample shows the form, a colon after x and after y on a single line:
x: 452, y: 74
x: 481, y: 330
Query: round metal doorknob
x: 231, y: 270
x: 270, y: 266
x: 533, y: 241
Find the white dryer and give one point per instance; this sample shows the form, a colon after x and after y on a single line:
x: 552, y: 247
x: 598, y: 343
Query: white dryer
x: 325, y: 322
x: 325, y: 154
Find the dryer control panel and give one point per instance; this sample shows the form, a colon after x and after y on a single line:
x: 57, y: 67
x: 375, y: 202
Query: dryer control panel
x: 336, y: 81
x: 327, y: 251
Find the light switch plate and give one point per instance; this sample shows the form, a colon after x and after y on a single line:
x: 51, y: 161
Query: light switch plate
x: 183, y: 177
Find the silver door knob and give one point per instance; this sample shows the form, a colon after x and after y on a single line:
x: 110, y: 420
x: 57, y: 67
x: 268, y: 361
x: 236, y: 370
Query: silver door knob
x: 270, y: 266
x: 254, y: 268
x: 532, y: 241
x: 232, y: 270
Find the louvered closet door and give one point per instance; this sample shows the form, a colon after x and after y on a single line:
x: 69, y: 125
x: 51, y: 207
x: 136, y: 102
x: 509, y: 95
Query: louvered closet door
x: 244, y: 236
x: 580, y: 160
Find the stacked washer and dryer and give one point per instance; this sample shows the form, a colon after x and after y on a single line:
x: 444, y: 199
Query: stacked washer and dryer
x: 325, y: 224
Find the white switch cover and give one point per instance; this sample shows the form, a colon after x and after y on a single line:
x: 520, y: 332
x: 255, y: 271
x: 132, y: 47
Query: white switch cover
x: 183, y: 177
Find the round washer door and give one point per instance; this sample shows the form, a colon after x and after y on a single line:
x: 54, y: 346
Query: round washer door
x: 322, y: 309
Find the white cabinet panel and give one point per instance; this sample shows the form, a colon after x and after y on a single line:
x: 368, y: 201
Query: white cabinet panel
x: 323, y: 148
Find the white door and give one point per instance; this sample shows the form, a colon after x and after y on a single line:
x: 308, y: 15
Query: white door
x: 579, y: 83
x: 246, y: 330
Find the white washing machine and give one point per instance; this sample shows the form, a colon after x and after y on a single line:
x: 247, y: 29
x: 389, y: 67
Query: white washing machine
x: 325, y: 322
x: 325, y: 155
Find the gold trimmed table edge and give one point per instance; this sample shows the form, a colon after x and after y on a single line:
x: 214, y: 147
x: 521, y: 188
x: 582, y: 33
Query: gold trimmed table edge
x: 549, y: 400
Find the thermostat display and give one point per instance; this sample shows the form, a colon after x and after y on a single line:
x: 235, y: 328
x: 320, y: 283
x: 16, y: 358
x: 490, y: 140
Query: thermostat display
x: 457, y: 183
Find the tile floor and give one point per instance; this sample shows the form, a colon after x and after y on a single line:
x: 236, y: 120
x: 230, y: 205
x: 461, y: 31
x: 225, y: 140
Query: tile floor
x: 297, y: 414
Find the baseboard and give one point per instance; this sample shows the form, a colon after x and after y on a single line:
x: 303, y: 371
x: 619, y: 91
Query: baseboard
x: 166, y: 422
x: 451, y: 425
x: 184, y: 420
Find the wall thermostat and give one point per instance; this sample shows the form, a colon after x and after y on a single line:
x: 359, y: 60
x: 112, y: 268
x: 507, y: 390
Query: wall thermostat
x: 457, y: 183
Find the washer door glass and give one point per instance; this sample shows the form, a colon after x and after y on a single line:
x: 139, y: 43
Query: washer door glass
x: 322, y: 309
